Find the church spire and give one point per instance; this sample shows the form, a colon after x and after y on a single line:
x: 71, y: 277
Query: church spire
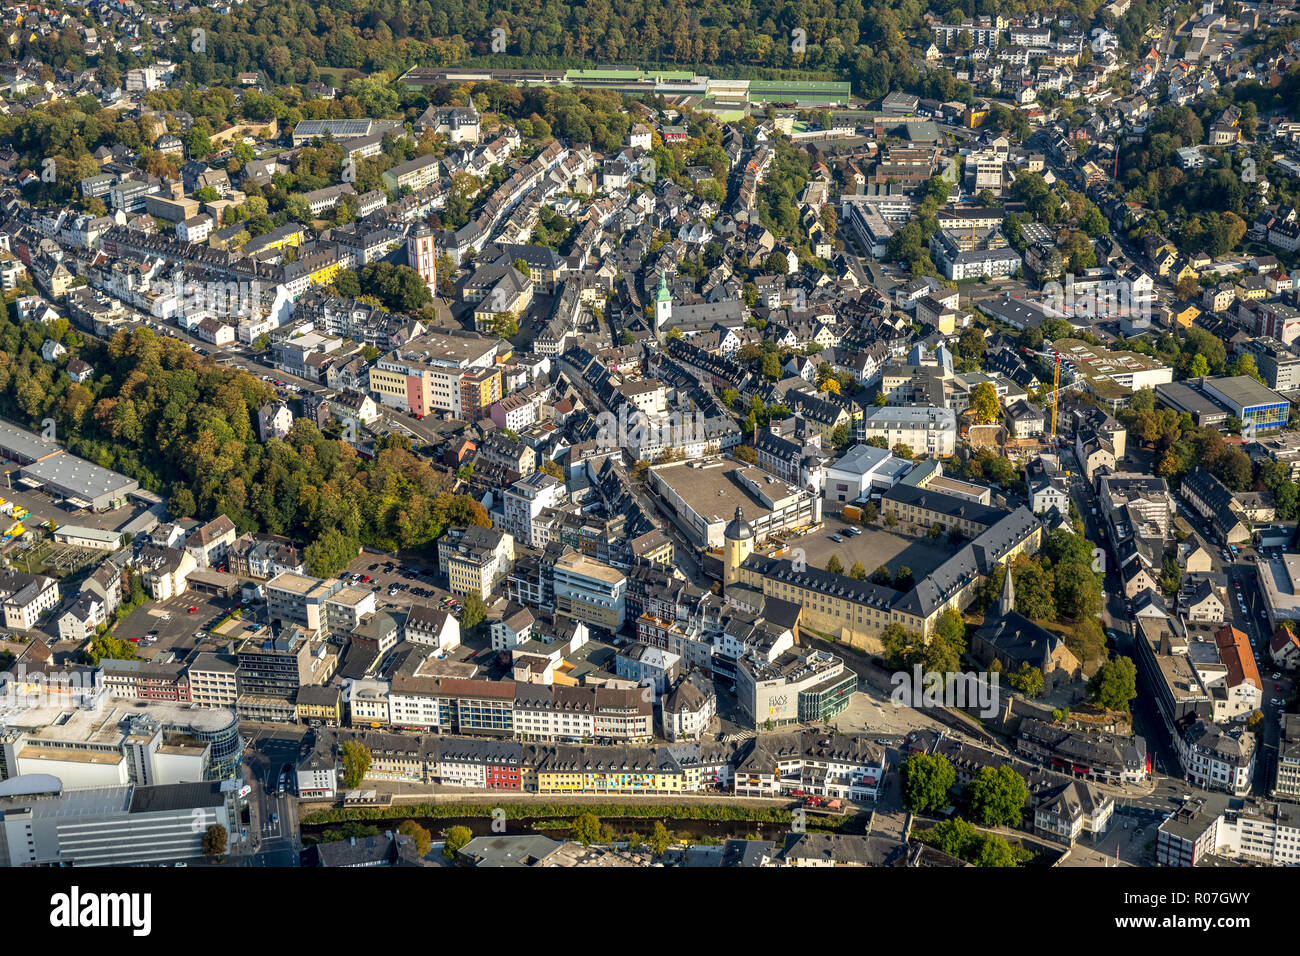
x: 1008, y: 602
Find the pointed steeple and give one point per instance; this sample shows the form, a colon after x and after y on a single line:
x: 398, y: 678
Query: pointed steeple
x: 1008, y: 602
x: 662, y: 294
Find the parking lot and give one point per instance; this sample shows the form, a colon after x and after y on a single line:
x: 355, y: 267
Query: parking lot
x: 414, y: 578
x: 873, y: 547
x: 172, y: 624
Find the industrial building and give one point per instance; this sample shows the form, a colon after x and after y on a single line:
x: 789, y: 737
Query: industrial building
x: 1257, y: 406
x: 42, y: 823
x: 116, y: 742
x: 78, y: 482
x: 703, y: 494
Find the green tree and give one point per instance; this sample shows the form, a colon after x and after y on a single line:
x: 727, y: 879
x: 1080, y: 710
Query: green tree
x: 834, y: 566
x: 984, y: 403
x: 1034, y: 591
x: 971, y: 346
x: 947, y: 644
x: 997, y: 796
x: 355, y: 757
x: 660, y: 839
x: 1114, y: 685
x: 473, y: 612
x: 215, y: 840
x: 1078, y: 590
x: 181, y: 504
x: 1171, y: 576
x: 903, y: 648
x: 858, y: 572
x: 457, y: 838
x: 954, y: 836
x: 330, y: 553
x: 927, y: 778
x: 992, y: 850
x: 422, y: 838
x: 1245, y: 365
x: 586, y: 829
x: 1027, y: 679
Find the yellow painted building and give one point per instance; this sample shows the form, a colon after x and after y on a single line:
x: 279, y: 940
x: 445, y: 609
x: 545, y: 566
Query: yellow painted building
x: 619, y: 781
x: 1186, y: 316
x: 320, y: 705
x: 479, y: 388
x: 290, y: 235
x: 326, y: 273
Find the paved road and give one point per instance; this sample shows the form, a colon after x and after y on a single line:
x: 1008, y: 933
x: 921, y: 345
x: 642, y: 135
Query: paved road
x: 273, y: 824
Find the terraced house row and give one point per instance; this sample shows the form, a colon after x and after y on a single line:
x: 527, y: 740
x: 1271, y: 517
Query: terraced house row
x: 809, y: 762
x: 505, y: 709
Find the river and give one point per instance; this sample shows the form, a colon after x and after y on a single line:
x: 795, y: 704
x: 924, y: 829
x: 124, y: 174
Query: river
x: 698, y: 831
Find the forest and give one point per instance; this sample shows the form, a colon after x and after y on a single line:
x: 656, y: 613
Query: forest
x: 186, y: 428
x: 294, y: 41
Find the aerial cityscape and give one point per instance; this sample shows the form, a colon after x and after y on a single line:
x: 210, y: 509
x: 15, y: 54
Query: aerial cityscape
x: 732, y: 435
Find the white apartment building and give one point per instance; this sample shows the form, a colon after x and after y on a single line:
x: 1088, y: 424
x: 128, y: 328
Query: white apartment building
x: 924, y: 429
x: 589, y: 591
x: 578, y: 714
x: 346, y: 608
x: 1217, y: 759
x: 300, y: 599
x: 432, y: 627
x: 79, y: 622
x: 26, y: 597
x: 367, y: 702
x: 213, y: 680
x: 523, y: 501
x: 414, y: 704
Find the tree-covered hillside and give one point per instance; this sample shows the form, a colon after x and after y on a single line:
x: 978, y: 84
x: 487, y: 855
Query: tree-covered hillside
x: 187, y: 428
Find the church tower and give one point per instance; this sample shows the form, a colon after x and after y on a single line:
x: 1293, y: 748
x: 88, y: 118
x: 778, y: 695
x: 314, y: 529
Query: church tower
x: 1008, y: 602
x: 738, y: 544
x: 663, y: 304
x: 421, y: 255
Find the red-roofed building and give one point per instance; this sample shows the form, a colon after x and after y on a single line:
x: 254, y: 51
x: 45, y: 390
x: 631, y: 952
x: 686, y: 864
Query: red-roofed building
x: 1240, y: 691
x: 1284, y: 647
